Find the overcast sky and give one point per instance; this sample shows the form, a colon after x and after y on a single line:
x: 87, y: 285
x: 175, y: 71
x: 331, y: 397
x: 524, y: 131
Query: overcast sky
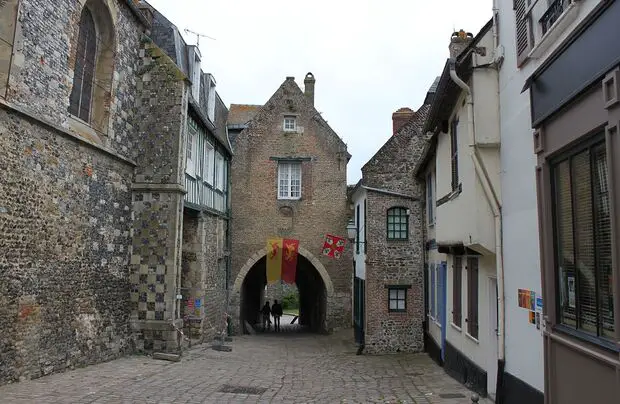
x: 369, y: 57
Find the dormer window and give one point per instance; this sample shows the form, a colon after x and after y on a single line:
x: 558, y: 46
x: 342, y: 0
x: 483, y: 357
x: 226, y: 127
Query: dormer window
x: 290, y: 123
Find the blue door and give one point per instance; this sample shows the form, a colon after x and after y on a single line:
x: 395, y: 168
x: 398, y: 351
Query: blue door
x: 441, y: 298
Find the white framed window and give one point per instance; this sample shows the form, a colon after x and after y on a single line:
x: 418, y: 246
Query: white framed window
x: 430, y: 209
x: 219, y: 171
x: 290, y: 123
x: 207, y: 163
x: 190, y: 151
x: 289, y: 180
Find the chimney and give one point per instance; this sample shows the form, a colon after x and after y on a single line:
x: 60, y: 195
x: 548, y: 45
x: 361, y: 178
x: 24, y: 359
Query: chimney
x: 458, y: 42
x: 400, y: 118
x: 309, y: 87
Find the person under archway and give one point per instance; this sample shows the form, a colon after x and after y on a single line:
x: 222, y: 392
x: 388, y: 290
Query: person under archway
x: 266, y: 312
x: 276, y: 311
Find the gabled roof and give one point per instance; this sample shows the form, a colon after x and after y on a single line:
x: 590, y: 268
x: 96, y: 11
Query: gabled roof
x: 253, y: 112
x: 241, y: 114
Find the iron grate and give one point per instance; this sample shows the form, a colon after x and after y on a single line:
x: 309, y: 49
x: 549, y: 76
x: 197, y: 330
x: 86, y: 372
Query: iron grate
x: 451, y: 395
x: 228, y: 388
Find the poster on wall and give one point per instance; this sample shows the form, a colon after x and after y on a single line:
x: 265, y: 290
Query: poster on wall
x: 571, y: 291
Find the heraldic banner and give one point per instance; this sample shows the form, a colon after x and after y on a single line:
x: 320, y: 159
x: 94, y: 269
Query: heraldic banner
x: 282, y: 260
x: 333, y: 246
x: 289, y: 260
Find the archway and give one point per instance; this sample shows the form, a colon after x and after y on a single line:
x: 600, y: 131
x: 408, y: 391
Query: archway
x: 313, y: 283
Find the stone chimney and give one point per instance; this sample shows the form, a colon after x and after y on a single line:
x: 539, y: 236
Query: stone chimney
x: 309, y: 87
x: 400, y: 118
x: 458, y: 42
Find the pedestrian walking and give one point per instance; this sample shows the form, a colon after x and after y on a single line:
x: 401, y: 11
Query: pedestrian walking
x: 266, y: 312
x: 276, y: 311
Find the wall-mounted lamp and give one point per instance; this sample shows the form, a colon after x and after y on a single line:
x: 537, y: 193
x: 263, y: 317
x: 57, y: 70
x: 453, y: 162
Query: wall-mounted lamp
x: 352, y: 231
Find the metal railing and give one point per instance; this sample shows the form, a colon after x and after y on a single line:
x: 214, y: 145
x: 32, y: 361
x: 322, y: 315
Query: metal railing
x: 555, y: 10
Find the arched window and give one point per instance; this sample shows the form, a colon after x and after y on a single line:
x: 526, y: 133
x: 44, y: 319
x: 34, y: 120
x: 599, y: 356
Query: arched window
x: 397, y: 224
x: 94, y: 47
x: 84, y: 72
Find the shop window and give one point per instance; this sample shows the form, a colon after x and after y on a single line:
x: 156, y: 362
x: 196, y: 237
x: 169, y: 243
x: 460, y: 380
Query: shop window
x: 583, y: 240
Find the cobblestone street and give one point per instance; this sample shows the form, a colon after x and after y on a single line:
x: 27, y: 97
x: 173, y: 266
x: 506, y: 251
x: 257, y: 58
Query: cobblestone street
x: 265, y: 368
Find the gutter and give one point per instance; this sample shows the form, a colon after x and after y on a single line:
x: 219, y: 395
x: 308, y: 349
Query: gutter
x: 495, y: 205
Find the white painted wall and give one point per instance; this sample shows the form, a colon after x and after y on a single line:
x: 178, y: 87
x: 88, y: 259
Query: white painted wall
x: 358, y: 199
x: 468, y: 217
x: 524, y: 350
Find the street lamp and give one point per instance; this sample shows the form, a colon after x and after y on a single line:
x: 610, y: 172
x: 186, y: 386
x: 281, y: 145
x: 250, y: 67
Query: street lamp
x: 351, y: 230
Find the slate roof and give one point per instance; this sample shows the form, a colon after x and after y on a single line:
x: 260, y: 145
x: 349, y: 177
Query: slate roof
x: 241, y: 114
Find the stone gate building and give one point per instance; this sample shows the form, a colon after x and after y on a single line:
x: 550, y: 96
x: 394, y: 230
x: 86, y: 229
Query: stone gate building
x: 289, y: 180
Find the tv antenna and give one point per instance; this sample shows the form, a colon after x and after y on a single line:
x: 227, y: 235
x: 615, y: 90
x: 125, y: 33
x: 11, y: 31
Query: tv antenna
x: 198, y: 35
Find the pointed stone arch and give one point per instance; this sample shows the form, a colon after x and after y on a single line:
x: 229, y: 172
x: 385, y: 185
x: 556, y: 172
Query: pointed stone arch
x: 329, y: 286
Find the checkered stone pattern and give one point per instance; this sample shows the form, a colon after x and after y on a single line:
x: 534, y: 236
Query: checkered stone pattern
x: 154, y: 263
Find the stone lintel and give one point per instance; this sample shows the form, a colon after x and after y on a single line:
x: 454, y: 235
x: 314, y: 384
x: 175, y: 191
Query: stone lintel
x: 172, y: 188
x: 65, y: 132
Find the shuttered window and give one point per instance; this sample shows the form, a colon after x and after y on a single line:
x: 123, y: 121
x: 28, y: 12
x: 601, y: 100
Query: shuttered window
x: 472, y: 296
x: 583, y: 241
x: 523, y: 27
x: 84, y: 71
x: 431, y: 268
x: 457, y: 276
x: 397, y: 224
x: 454, y: 154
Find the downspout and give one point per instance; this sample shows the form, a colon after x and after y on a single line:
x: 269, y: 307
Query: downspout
x: 495, y: 206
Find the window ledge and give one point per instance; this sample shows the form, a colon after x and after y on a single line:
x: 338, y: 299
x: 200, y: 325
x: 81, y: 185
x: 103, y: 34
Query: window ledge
x: 585, y: 337
x: 551, y: 36
x: 456, y: 327
x: 472, y: 338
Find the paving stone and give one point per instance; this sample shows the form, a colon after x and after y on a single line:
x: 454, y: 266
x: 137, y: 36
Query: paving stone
x: 286, y: 367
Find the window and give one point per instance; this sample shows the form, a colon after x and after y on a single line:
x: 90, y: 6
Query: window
x: 219, y: 171
x: 397, y: 299
x: 472, y: 296
x: 290, y: 123
x: 190, y: 147
x: 431, y: 268
x: 397, y: 224
x: 289, y: 180
x: 457, y: 285
x: 211, y: 99
x: 93, y: 50
x: 523, y: 24
x: 357, y: 229
x: 208, y: 163
x: 84, y: 71
x: 454, y: 154
x: 429, y: 199
x: 583, y: 241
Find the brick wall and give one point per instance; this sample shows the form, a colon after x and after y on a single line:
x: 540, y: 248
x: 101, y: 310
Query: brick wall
x: 258, y: 214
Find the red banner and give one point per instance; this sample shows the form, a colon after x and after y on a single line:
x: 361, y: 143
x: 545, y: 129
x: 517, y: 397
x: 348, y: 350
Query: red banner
x: 333, y: 246
x: 289, y: 260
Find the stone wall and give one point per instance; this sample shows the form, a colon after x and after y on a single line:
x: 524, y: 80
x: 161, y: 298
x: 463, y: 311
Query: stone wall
x: 65, y: 194
x: 158, y: 201
x: 64, y: 235
x: 395, y: 262
x: 203, y: 279
x: 323, y: 208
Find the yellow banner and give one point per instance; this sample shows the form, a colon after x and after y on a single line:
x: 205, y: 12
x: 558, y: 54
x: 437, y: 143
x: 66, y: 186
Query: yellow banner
x: 274, y: 260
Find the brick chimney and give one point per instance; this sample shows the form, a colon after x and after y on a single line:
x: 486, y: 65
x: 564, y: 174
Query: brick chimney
x: 309, y: 87
x: 400, y: 118
x: 458, y: 42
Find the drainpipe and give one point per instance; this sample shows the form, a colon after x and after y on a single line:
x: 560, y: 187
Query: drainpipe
x: 494, y: 203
